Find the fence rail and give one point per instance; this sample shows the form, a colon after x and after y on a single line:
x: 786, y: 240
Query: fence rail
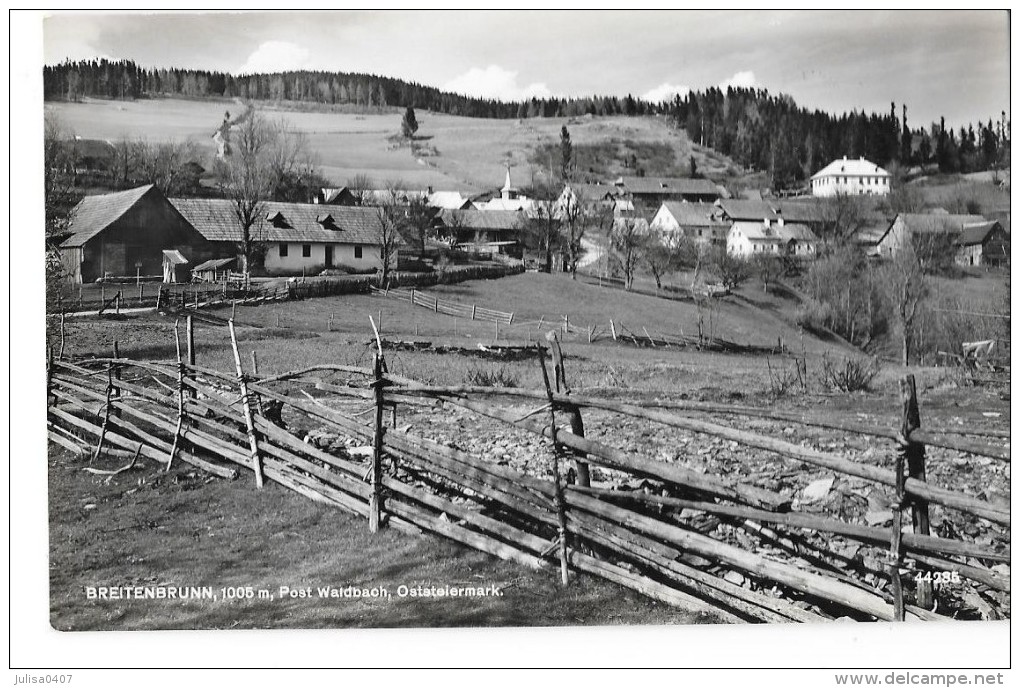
x: 437, y: 305
x: 237, y: 422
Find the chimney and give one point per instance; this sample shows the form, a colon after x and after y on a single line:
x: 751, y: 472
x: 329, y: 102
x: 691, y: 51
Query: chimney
x: 430, y: 190
x: 844, y: 157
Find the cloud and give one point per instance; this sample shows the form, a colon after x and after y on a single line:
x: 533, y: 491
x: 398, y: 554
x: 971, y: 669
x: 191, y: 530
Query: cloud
x: 664, y: 92
x: 739, y: 80
x: 276, y: 56
x: 495, y: 82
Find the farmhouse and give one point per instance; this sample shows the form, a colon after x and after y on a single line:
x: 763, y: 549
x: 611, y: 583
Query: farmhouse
x: 653, y: 191
x: 916, y: 225
x: 747, y: 239
x: 448, y: 200
x: 852, y: 177
x: 700, y: 222
x: 125, y: 234
x: 485, y: 231
x: 296, y: 237
x: 985, y: 243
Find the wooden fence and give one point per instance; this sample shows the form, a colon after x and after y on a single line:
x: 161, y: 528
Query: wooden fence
x: 437, y: 305
x: 236, y: 422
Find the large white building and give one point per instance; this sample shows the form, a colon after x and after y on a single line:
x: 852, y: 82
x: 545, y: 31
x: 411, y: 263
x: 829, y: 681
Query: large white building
x: 851, y: 177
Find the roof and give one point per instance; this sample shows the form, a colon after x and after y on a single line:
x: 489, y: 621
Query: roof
x: 174, y: 257
x: 976, y: 233
x: 856, y: 167
x: 214, y: 264
x: 737, y: 209
x: 796, y: 232
x: 938, y: 223
x: 506, y: 204
x: 696, y: 214
x: 93, y: 214
x: 447, y: 199
x: 483, y: 219
x: 214, y: 218
x: 774, y: 233
x: 595, y: 192
x: 91, y: 148
x: 669, y: 185
x: 802, y: 211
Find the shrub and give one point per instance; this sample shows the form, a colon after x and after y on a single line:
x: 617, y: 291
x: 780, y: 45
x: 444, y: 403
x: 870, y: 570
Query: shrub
x: 784, y: 380
x: 852, y: 374
x: 814, y: 316
x: 478, y: 376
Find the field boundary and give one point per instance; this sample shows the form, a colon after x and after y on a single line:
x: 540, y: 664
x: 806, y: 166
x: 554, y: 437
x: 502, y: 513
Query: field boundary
x: 232, y: 423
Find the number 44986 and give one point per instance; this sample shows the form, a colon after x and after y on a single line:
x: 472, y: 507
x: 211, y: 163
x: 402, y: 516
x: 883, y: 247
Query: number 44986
x: 938, y: 578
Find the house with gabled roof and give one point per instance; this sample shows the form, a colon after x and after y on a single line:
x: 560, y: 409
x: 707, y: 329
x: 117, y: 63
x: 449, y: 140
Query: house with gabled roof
x: 851, y: 177
x: 907, y: 226
x: 484, y: 231
x: 700, y: 222
x: 653, y: 191
x: 747, y: 239
x: 983, y: 244
x: 295, y: 237
x: 125, y: 234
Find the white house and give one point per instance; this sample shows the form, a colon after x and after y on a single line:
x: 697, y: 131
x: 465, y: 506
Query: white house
x: 851, y: 177
x: 296, y: 237
x: 700, y: 222
x: 748, y: 239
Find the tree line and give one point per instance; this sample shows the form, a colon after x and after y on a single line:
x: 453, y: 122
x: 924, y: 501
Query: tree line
x: 772, y: 133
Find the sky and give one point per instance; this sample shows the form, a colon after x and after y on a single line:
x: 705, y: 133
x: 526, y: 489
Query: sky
x: 940, y: 63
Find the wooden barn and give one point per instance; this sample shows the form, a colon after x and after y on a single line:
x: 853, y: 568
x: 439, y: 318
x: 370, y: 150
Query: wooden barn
x: 125, y: 234
x: 983, y: 243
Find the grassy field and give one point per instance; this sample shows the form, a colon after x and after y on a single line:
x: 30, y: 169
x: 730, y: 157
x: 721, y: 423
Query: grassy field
x: 470, y: 153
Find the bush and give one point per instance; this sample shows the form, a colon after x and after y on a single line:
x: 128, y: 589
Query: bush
x: 502, y: 376
x: 814, y: 316
x: 853, y: 374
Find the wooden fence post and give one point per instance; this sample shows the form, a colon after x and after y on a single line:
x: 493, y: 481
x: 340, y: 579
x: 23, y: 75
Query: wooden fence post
x: 180, y: 393
x: 106, y: 413
x: 612, y: 328
x: 60, y: 353
x: 116, y: 374
x: 915, y: 455
x: 118, y: 303
x: 572, y: 412
x: 375, y: 498
x: 561, y: 507
x: 473, y: 311
x: 49, y: 374
x: 256, y: 460
x: 193, y: 393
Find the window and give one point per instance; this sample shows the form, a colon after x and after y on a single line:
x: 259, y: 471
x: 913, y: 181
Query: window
x: 357, y: 252
x: 306, y: 250
x: 283, y: 250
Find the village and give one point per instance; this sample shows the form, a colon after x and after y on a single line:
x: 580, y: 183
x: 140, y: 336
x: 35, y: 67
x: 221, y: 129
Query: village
x: 139, y: 233
x: 352, y: 349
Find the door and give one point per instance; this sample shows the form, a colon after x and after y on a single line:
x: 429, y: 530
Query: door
x: 329, y: 256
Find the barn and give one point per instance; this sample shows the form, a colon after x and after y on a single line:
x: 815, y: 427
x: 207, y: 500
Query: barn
x: 125, y: 234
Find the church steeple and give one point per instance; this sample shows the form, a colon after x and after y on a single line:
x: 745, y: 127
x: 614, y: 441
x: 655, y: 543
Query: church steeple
x: 508, y: 191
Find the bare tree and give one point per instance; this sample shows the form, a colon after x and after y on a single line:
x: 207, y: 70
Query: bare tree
x: 578, y: 217
x: 166, y: 165
x: 906, y: 286
x: 769, y: 267
x: 392, y: 222
x: 419, y: 219
x: 625, y: 247
x: 842, y: 216
x: 659, y: 256
x: 359, y: 185
x: 60, y: 193
x: 248, y: 178
x: 542, y: 223
x: 732, y: 270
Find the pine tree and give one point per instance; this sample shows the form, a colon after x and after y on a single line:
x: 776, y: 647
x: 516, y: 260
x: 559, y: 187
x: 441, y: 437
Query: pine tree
x: 409, y: 125
x: 566, y: 154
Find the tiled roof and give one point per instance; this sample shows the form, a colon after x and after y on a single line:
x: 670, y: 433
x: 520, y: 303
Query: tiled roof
x: 976, y: 233
x: 93, y: 214
x: 797, y: 232
x: 938, y: 223
x: 483, y: 219
x: 757, y: 231
x: 851, y: 167
x: 737, y: 209
x: 214, y: 218
x: 446, y: 199
x: 803, y: 211
x: 692, y: 214
x: 669, y: 185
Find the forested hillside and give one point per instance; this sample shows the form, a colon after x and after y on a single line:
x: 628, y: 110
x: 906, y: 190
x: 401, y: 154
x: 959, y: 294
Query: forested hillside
x: 758, y: 129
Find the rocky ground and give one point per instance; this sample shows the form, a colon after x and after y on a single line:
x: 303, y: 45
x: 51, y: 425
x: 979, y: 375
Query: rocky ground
x: 810, y: 489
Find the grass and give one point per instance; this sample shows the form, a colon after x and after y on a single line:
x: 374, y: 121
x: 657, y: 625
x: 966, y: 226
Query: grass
x: 465, y: 154
x: 150, y: 528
